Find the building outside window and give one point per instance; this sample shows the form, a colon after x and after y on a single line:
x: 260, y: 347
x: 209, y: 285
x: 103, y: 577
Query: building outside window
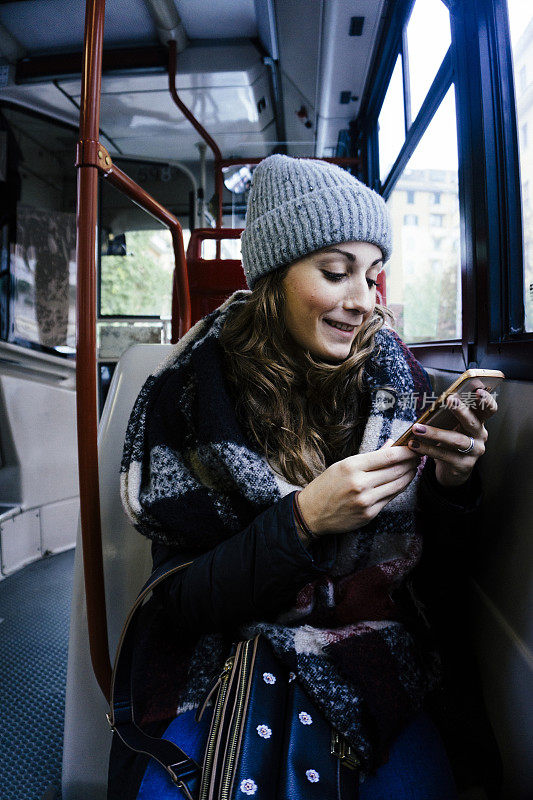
x: 523, y: 78
x: 523, y: 136
x: 424, y: 292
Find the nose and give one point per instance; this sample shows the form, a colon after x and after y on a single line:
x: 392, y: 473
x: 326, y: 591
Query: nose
x: 359, y: 297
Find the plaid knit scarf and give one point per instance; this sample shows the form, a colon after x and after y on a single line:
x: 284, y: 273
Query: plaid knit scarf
x: 194, y: 480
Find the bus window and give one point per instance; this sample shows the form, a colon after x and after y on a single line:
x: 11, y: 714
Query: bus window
x: 521, y: 26
x: 229, y: 248
x: 136, y: 273
x: 428, y: 39
x: 424, y: 274
x: 39, y: 266
x: 136, y: 264
x: 391, y: 132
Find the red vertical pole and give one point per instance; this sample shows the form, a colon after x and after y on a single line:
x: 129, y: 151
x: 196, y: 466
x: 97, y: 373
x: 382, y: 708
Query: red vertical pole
x: 87, y: 416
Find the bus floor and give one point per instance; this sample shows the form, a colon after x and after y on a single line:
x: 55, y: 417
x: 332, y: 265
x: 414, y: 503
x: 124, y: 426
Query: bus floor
x: 34, y: 629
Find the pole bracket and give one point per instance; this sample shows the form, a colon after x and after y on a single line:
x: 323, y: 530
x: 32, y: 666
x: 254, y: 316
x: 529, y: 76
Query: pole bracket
x: 90, y: 153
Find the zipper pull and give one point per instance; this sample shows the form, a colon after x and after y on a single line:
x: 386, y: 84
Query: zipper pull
x: 227, y: 669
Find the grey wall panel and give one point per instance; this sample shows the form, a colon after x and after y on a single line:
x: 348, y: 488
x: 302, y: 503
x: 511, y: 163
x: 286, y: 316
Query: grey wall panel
x: 502, y: 580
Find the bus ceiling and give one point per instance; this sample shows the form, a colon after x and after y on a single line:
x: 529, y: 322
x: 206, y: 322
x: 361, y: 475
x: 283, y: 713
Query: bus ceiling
x: 257, y: 77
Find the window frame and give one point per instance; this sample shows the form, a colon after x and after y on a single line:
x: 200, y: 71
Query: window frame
x: 479, y: 64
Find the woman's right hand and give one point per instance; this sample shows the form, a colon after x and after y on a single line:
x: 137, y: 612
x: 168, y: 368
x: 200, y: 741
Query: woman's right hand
x: 351, y: 492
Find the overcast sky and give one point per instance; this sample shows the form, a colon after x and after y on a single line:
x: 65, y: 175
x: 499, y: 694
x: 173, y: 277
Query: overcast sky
x: 520, y: 14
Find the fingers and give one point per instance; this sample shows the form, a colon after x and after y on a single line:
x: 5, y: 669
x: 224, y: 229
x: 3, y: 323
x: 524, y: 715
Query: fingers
x: 469, y: 421
x: 435, y: 441
x: 450, y: 455
x: 386, y: 456
x: 486, y: 405
x: 383, y: 493
x: 380, y: 477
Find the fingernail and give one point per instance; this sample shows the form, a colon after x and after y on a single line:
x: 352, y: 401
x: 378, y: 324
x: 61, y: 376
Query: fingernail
x: 419, y: 428
x: 414, y: 444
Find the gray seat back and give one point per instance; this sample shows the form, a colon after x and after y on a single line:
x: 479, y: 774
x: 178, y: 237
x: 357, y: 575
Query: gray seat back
x: 127, y: 563
x: 502, y: 580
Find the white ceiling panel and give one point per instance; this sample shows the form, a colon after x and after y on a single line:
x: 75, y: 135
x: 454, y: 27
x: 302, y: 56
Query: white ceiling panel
x: 299, y: 23
x: 320, y: 59
x: 218, y: 19
x: 44, y: 98
x: 48, y: 25
x: 224, y: 109
x: 345, y: 59
x: 183, y: 147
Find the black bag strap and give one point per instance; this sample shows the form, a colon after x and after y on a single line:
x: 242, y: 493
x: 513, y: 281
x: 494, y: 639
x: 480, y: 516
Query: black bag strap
x: 183, y: 770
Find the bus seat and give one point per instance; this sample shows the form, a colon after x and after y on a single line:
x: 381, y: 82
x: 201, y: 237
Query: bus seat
x: 381, y: 289
x: 127, y: 563
x: 211, y: 281
x: 501, y: 581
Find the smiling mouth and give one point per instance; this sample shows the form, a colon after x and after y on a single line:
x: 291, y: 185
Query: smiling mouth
x: 340, y: 326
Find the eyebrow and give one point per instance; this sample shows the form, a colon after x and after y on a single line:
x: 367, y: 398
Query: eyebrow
x: 350, y: 256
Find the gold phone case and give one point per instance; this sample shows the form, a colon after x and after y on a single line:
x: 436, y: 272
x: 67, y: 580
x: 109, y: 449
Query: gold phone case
x: 435, y: 407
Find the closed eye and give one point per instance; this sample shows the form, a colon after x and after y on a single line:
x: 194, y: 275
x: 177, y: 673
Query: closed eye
x: 371, y: 282
x: 333, y: 276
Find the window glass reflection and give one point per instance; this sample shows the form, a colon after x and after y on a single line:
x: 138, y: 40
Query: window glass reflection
x: 424, y: 273
x: 38, y: 232
x: 521, y: 25
x: 428, y: 39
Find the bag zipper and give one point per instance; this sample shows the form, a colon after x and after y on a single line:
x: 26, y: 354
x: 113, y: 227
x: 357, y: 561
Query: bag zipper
x: 234, y: 733
x: 210, y: 692
x: 207, y: 769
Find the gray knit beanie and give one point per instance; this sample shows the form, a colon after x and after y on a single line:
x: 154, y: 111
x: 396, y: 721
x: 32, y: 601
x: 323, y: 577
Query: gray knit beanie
x: 297, y: 206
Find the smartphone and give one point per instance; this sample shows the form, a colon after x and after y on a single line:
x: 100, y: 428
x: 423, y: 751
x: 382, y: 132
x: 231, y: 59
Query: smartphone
x: 439, y: 416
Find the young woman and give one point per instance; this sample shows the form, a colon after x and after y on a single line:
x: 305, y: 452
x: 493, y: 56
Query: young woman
x: 261, y: 450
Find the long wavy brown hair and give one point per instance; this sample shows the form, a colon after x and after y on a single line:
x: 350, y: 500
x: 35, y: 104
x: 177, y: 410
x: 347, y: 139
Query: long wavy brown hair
x: 302, y: 413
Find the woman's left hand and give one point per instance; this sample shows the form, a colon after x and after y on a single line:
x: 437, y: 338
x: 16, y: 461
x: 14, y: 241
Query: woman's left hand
x: 452, y: 467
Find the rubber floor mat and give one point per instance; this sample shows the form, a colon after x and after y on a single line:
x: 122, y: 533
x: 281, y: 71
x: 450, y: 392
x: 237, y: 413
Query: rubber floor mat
x: 34, y: 628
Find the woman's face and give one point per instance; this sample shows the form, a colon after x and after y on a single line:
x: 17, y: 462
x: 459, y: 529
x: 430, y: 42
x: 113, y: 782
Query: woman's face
x: 329, y: 294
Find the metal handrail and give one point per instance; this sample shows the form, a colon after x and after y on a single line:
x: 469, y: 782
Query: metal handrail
x: 197, y: 125
x: 93, y: 159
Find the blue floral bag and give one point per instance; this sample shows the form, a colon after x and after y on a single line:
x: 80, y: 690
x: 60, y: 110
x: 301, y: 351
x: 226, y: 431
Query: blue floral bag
x: 257, y: 733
